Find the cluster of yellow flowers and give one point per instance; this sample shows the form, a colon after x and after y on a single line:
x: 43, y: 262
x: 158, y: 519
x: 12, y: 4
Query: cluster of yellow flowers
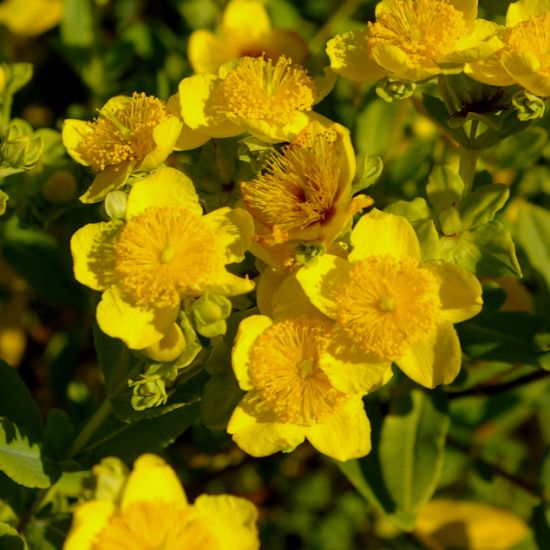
x: 340, y: 296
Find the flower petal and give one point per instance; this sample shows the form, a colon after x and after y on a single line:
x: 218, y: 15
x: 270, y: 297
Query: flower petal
x: 111, y: 178
x: 349, y: 368
x: 136, y: 326
x: 234, y: 228
x: 256, y: 430
x: 460, y: 291
x: 225, y: 283
x: 93, y: 254
x: 208, y: 52
x: 525, y: 68
x: 434, y: 361
x: 247, y: 18
x: 345, y: 434
x: 249, y: 329
x: 72, y: 134
x: 228, y: 514
x: 163, y: 188
x: 198, y: 108
x: 89, y: 520
x: 468, y: 9
x: 399, y: 64
x: 489, y: 71
x: 381, y: 233
x: 152, y: 480
x: 351, y: 58
x: 321, y: 280
x: 526, y: 9
x: 165, y: 136
x: 188, y: 138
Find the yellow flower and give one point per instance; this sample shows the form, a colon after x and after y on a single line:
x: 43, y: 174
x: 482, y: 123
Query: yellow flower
x: 153, y: 512
x: 166, y: 250
x: 31, y: 17
x: 414, y: 40
x: 304, y: 193
x: 390, y: 304
x: 131, y: 134
x: 245, y: 31
x: 453, y: 524
x: 270, y: 99
x: 523, y: 58
x: 287, y: 367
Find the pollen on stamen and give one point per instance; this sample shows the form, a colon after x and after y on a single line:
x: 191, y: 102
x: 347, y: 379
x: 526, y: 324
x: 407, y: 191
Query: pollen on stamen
x: 165, y: 254
x: 421, y: 28
x: 298, y: 187
x: 285, y: 369
x: 124, y: 135
x: 263, y: 89
x: 388, y: 304
x: 147, y: 525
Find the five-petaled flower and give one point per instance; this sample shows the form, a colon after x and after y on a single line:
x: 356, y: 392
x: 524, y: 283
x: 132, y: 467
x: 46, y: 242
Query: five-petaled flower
x: 392, y: 305
x: 154, y: 512
x: 164, y: 251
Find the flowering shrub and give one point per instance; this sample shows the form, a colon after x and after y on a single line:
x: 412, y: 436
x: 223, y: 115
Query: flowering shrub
x: 291, y: 255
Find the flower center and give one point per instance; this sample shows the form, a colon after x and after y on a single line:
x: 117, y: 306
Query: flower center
x: 299, y: 185
x: 387, y: 304
x: 285, y: 369
x: 532, y: 35
x: 123, y: 135
x: 155, y: 526
x: 263, y: 89
x: 164, y: 254
x: 421, y: 28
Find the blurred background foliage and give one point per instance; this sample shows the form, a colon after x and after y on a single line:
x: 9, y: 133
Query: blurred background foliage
x: 499, y: 430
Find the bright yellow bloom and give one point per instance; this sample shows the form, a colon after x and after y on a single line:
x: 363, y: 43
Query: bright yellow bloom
x: 524, y: 57
x: 31, y: 17
x: 390, y: 304
x: 131, y: 134
x: 166, y: 250
x: 288, y: 369
x: 453, y: 524
x: 272, y: 100
x: 414, y: 40
x: 245, y: 30
x: 154, y: 513
x: 304, y: 193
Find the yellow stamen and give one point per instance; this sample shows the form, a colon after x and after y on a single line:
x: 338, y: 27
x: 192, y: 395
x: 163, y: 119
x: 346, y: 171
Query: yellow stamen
x: 421, y: 28
x: 261, y: 89
x: 164, y: 254
x: 387, y: 304
x: 155, y: 526
x: 299, y: 186
x: 124, y: 135
x: 533, y: 36
x: 285, y: 369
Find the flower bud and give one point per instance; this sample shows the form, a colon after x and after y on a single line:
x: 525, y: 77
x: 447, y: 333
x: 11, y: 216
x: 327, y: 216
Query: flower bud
x: 115, y: 205
x: 528, y: 106
x: 110, y: 476
x: 209, y: 313
x: 390, y: 89
x: 19, y: 150
x: 148, y: 392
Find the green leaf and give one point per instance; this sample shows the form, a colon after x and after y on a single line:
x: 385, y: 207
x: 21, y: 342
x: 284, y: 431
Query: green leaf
x: 533, y: 234
x: 437, y: 111
x: 128, y: 441
x: 220, y: 397
x: 58, y: 433
x: 22, y: 459
x: 428, y: 238
x: 115, y: 360
x: 44, y: 264
x: 541, y: 524
x: 77, y: 26
x: 487, y: 251
x: 412, y: 443
x: 374, y: 127
x: 10, y: 538
x: 368, y: 171
x: 444, y: 188
x: 481, y: 206
x: 414, y: 210
x: 16, y: 402
x: 507, y: 336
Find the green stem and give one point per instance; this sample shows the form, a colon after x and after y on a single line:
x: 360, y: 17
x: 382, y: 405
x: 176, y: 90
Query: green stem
x: 468, y: 160
x: 90, y: 428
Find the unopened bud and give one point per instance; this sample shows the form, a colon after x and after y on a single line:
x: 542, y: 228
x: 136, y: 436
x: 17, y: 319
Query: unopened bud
x: 528, y: 106
x: 110, y: 476
x: 115, y: 205
x: 305, y: 252
x: 390, y: 89
x: 148, y: 392
x: 209, y: 313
